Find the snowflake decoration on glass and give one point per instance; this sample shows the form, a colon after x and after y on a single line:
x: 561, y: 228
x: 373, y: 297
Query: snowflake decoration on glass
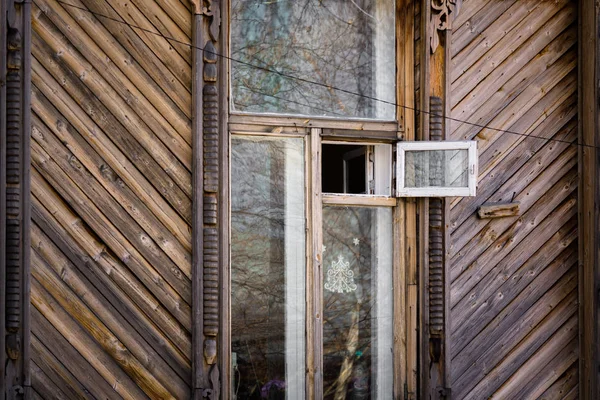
x: 340, y: 278
x: 355, y: 241
x: 324, y: 248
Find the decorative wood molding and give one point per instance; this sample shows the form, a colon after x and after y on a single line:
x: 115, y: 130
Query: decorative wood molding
x: 14, y: 197
x: 436, y: 237
x: 442, y: 14
x: 207, y: 264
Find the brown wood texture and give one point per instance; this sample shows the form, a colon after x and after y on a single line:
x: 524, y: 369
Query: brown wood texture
x: 513, y: 300
x: 111, y: 186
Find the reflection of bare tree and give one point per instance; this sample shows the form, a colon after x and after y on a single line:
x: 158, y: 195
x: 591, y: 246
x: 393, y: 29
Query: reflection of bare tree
x: 327, y: 41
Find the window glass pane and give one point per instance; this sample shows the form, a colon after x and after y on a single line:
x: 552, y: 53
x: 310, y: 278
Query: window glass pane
x: 267, y: 267
x: 344, y: 44
x: 357, y: 303
x: 437, y: 168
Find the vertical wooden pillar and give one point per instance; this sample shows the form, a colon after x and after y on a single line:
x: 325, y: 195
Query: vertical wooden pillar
x: 437, y: 16
x: 207, y: 262
x: 15, y: 117
x: 589, y: 199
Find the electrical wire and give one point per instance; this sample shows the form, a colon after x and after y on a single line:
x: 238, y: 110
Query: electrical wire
x: 329, y: 87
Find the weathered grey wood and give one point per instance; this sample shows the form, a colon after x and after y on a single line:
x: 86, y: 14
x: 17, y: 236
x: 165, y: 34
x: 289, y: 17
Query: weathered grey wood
x: 494, y: 187
x: 199, y: 378
x: 313, y: 122
x: 55, y: 371
x: 479, y: 356
x: 316, y: 268
x: 178, y: 91
x: 498, y: 210
x: 139, y: 219
x: 485, y: 68
x: 553, y: 359
x: 480, y: 242
x: 474, y: 299
x: 566, y: 383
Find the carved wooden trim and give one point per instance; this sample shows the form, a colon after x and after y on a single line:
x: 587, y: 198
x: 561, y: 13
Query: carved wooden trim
x: 14, y: 199
x: 442, y: 13
x: 207, y: 264
x: 436, y: 235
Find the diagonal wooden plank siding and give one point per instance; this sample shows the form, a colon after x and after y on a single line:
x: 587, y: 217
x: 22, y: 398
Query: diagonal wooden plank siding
x: 111, y: 193
x: 514, y: 280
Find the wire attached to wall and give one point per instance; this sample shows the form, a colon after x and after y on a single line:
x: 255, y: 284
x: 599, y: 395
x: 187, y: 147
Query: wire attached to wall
x: 299, y: 79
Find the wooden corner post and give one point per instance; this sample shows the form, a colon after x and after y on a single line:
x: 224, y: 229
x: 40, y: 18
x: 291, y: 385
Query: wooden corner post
x: 208, y: 131
x: 436, y: 28
x: 15, y: 117
x: 589, y: 199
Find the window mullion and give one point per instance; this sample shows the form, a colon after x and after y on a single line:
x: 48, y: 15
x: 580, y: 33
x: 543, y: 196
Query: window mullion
x: 315, y: 274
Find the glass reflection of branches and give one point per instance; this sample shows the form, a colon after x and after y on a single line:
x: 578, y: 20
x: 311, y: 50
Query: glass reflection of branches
x: 338, y: 43
x: 267, y: 266
x: 357, y: 324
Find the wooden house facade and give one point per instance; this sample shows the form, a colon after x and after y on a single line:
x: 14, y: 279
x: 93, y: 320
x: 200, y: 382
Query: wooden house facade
x: 134, y: 138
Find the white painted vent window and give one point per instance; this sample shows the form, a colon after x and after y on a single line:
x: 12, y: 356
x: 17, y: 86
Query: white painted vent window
x: 436, y: 169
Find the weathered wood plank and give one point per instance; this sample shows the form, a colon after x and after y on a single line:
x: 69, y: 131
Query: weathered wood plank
x: 55, y: 371
x: 142, y: 227
x: 525, y: 311
x: 499, y: 93
x: 521, y: 165
x: 113, y: 113
x: 559, y: 389
x: 491, y: 26
x: 526, y: 40
x: 120, y: 238
x: 115, y: 165
x: 479, y: 243
x: 69, y: 358
x: 94, y: 43
x: 41, y: 382
x: 125, y: 292
x: 128, y: 156
x: 125, y: 38
x: 551, y: 360
x: 86, y: 346
x: 122, y: 320
x: 141, y: 370
x: 518, y: 183
x: 141, y: 269
x: 465, y: 327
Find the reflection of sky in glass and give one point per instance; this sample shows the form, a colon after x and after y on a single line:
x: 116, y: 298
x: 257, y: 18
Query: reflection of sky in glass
x: 338, y: 43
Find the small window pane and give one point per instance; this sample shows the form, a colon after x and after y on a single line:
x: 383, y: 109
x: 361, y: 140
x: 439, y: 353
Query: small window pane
x: 437, y: 168
x: 345, y: 44
x: 357, y: 303
x: 267, y: 267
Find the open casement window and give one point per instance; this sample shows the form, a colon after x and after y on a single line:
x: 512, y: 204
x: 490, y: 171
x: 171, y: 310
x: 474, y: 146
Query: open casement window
x: 312, y: 127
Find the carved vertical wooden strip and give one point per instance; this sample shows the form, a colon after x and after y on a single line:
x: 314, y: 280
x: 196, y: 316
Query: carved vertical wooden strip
x: 436, y: 245
x: 13, y: 194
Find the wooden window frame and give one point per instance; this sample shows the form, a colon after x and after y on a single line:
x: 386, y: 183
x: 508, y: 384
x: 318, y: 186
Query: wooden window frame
x: 211, y: 375
x: 431, y: 191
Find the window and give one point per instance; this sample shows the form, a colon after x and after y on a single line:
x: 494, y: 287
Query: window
x: 333, y: 57
x: 312, y: 127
